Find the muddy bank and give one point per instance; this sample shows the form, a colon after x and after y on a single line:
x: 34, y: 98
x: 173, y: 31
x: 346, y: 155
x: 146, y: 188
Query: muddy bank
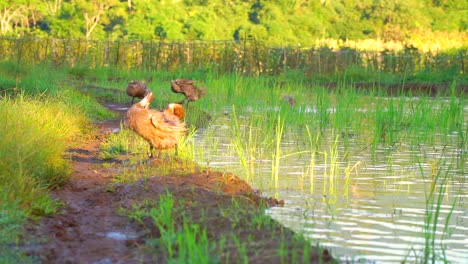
x: 91, y: 227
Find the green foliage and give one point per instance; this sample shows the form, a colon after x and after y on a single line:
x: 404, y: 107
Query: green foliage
x: 295, y: 22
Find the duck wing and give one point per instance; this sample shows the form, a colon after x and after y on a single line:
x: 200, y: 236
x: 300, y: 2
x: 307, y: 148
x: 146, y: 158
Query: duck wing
x: 175, y: 87
x: 137, y: 89
x: 166, y: 123
x: 182, y: 86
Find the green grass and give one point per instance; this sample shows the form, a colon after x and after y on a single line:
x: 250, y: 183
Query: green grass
x: 43, y: 107
x: 35, y: 135
x: 184, y: 234
x: 41, y: 118
x: 122, y: 142
x: 184, y: 242
x: 12, y: 220
x: 133, y: 151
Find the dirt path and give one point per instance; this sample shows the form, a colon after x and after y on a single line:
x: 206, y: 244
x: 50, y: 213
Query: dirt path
x: 89, y: 229
x: 82, y: 232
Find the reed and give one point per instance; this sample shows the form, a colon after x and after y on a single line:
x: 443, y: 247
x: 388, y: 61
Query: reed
x: 434, y: 202
x: 276, y: 154
x: 334, y: 166
x: 347, y: 179
x: 323, y: 106
x: 240, y: 147
x: 311, y: 168
x: 346, y: 117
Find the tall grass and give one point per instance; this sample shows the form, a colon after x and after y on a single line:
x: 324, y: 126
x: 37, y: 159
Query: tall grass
x: 41, y: 116
x: 46, y: 82
x: 35, y: 135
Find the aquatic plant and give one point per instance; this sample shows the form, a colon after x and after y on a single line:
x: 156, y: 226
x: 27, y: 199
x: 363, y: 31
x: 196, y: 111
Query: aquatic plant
x: 434, y: 207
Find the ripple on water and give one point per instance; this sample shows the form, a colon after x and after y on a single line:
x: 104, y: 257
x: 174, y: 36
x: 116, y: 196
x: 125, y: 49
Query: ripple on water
x: 377, y: 212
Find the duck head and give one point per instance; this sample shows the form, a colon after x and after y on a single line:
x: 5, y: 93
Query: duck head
x: 175, y: 109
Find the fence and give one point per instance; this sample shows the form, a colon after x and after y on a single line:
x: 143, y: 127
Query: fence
x: 248, y: 57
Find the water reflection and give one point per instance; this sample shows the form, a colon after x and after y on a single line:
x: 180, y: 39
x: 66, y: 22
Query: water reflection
x: 372, y: 207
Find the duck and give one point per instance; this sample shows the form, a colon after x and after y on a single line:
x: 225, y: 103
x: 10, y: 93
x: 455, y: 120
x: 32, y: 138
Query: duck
x: 137, y: 89
x: 161, y: 129
x: 187, y: 88
x: 290, y: 100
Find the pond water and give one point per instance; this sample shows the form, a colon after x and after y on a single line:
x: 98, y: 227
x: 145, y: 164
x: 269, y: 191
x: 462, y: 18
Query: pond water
x: 371, y: 206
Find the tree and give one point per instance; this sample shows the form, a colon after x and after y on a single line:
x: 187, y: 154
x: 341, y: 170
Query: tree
x: 10, y: 16
x: 18, y: 16
x: 275, y: 22
x: 53, y: 6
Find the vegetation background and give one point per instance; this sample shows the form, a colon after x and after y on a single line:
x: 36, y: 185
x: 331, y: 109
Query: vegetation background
x: 276, y: 22
x: 56, y: 54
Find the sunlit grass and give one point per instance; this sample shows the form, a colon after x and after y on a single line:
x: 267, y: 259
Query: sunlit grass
x: 35, y: 136
x: 336, y: 125
x: 41, y: 118
x: 428, y: 42
x: 333, y: 124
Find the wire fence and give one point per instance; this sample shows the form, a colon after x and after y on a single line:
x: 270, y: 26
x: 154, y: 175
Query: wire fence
x: 247, y: 57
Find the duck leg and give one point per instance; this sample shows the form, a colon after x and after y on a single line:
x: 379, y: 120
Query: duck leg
x: 159, y: 154
x: 151, y: 152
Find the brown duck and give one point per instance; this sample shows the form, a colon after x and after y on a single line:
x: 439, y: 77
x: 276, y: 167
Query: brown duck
x: 187, y: 88
x: 162, y: 129
x: 137, y: 89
